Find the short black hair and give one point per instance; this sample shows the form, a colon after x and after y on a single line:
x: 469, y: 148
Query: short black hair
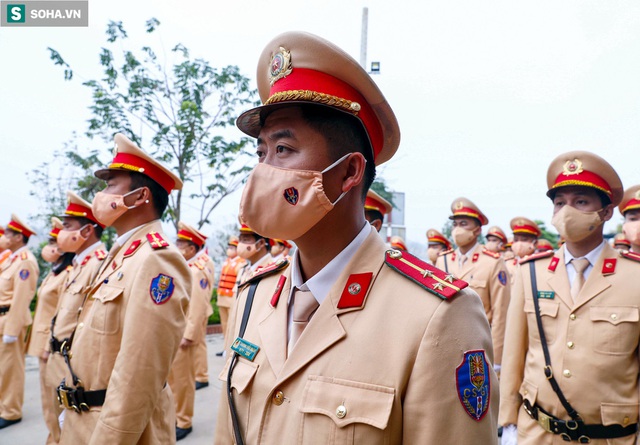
x: 25, y: 238
x: 373, y: 215
x: 604, y: 198
x: 65, y: 260
x: 96, y: 227
x: 344, y: 134
x: 159, y: 196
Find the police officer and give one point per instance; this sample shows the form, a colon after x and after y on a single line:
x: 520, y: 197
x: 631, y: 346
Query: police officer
x: 570, y: 369
x: 496, y: 239
x: 525, y: 241
x: 280, y: 249
x: 484, y: 270
x: 396, y: 242
x: 375, y: 209
x: 436, y: 244
x: 18, y: 281
x: 544, y: 245
x: 255, y: 250
x: 630, y: 210
x: 300, y: 365
x: 200, y: 357
x: 227, y: 284
x: 4, y: 249
x: 115, y: 389
x: 182, y: 378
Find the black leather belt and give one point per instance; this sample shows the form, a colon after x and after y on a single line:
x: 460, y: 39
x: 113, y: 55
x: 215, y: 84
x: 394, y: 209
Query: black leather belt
x: 56, y: 345
x: 572, y: 430
x: 4, y: 309
x: 78, y: 399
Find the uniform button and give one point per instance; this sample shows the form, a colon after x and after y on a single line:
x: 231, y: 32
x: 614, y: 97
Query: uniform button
x: 625, y: 420
x: 80, y: 325
x: 614, y: 316
x: 566, y: 373
x: 570, y: 344
x: 526, y: 392
x: 572, y: 316
x: 341, y: 411
x: 278, y: 398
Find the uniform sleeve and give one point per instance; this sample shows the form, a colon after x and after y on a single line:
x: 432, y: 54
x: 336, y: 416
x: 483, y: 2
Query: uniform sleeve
x: 515, y: 349
x: 432, y: 409
x: 151, y: 334
x: 24, y: 289
x: 500, y: 289
x: 200, y: 295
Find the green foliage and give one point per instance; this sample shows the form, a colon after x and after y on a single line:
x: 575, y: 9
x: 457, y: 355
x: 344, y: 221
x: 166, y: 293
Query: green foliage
x: 215, y: 317
x: 551, y: 237
x: 379, y: 186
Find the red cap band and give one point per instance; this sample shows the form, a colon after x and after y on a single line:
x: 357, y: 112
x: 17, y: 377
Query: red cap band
x: 134, y: 163
x: 585, y: 179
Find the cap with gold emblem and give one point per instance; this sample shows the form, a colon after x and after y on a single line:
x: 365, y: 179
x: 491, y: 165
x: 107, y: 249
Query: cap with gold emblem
x: 524, y: 226
x: 464, y: 207
x: 544, y: 245
x: 56, y: 227
x: 298, y: 67
x: 129, y: 157
x: 188, y: 233
x: 397, y: 242
x: 621, y: 240
x: 79, y: 208
x: 433, y: 237
x: 377, y: 202
x: 630, y: 199
x: 283, y: 242
x: 582, y: 168
x: 246, y: 229
x: 509, y: 243
x: 233, y: 241
x: 17, y: 225
x: 498, y: 233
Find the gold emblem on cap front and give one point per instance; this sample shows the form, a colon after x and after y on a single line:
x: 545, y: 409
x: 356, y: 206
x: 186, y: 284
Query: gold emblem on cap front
x: 280, y: 66
x: 573, y: 167
x: 638, y: 194
x: 459, y: 205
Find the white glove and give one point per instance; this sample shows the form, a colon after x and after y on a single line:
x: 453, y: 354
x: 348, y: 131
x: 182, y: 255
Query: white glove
x: 497, y: 368
x: 61, y: 418
x: 9, y: 339
x: 509, y: 435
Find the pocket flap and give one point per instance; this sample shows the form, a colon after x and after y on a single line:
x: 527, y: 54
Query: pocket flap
x: 243, y: 373
x: 619, y: 413
x: 107, y: 293
x: 529, y: 391
x: 347, y: 402
x: 76, y: 288
x: 548, y: 308
x: 614, y: 314
x: 477, y: 283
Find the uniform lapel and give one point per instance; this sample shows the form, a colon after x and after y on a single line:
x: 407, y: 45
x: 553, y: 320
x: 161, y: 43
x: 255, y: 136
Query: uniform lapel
x: 596, y: 283
x: 273, y: 328
x: 559, y: 281
x: 468, y: 265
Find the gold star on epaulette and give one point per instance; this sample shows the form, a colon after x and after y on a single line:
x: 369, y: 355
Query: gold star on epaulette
x: 449, y: 277
x: 437, y: 286
x: 427, y: 274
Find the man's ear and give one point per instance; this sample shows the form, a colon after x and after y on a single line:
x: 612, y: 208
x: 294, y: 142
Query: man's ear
x: 607, y: 213
x: 377, y: 224
x: 356, y: 164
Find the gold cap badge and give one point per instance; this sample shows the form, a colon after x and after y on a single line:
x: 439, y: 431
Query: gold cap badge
x: 572, y: 167
x: 280, y: 66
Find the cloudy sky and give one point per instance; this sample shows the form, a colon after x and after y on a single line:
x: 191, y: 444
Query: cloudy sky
x: 487, y: 93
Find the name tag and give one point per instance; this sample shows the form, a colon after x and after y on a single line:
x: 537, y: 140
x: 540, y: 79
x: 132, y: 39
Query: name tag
x: 245, y: 349
x: 547, y: 294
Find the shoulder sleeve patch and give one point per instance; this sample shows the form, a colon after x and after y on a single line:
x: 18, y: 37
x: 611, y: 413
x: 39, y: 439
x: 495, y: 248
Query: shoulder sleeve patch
x: 445, y: 252
x: 156, y: 241
x: 536, y: 256
x: 630, y: 255
x: 495, y: 255
x: 432, y: 279
x: 266, y: 271
x: 100, y: 254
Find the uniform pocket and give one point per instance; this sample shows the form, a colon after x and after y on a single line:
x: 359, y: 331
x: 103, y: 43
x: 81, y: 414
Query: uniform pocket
x: 548, y: 313
x: 105, y: 314
x: 475, y: 283
x: 340, y: 411
x: 615, y: 329
x: 623, y: 414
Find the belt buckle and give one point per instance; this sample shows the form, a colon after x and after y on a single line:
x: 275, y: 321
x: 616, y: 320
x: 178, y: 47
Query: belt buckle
x: 63, y: 398
x: 543, y: 421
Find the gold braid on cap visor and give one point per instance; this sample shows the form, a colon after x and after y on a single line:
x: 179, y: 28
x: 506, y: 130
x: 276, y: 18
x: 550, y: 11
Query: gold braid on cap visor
x: 127, y: 167
x: 580, y: 183
x: 314, y: 96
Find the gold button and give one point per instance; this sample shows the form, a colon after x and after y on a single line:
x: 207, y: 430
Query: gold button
x: 614, y: 316
x: 572, y: 316
x: 80, y: 325
x: 625, y: 420
x: 570, y: 344
x: 341, y: 411
x: 278, y: 398
x: 526, y: 392
x: 566, y: 373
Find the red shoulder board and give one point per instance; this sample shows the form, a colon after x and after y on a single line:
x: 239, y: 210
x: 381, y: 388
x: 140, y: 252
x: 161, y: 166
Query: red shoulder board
x: 266, y: 271
x: 24, y: 256
x: 434, y: 280
x: 537, y: 256
x: 132, y: 248
x: 446, y: 252
x: 495, y: 255
x: 198, y: 264
x: 156, y: 241
x: 609, y: 266
x: 205, y: 258
x: 631, y: 255
x: 100, y: 254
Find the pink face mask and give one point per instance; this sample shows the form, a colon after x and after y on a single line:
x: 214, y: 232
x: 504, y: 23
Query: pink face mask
x: 631, y: 230
x: 522, y: 248
x: 285, y: 204
x: 71, y: 240
x: 50, y: 253
x: 108, y: 208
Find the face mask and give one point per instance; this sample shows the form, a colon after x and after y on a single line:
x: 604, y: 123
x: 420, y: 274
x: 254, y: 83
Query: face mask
x: 4, y: 243
x: 522, y: 248
x: 631, y: 232
x: 246, y: 250
x: 432, y: 253
x: 493, y: 246
x: 108, y: 208
x: 285, y: 204
x: 462, y: 236
x: 574, y: 225
x: 71, y: 240
x: 50, y: 253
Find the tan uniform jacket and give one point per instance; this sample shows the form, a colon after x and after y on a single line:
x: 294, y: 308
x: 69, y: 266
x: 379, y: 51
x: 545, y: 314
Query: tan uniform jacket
x: 18, y: 281
x: 488, y: 276
x: 210, y: 270
x: 228, y: 277
x: 199, y: 303
x: 48, y: 296
x: 391, y: 363
x: 128, y: 342
x: 593, y: 346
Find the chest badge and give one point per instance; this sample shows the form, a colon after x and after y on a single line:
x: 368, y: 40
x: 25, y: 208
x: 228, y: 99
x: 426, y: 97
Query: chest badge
x: 245, y: 349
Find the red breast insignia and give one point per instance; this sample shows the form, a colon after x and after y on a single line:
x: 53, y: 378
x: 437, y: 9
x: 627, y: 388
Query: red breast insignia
x: 631, y: 255
x: 161, y: 288
x: 474, y: 384
x: 475, y: 257
x: 100, y: 254
x: 278, y: 291
x: 609, y: 266
x: 156, y: 241
x: 24, y: 274
x: 434, y: 280
x: 132, y: 247
x: 537, y: 256
x: 266, y: 271
x: 495, y: 255
x: 355, y: 290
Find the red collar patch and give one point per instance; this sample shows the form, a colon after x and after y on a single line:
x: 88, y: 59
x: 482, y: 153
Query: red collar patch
x: 276, y: 294
x: 554, y: 264
x: 609, y: 266
x: 475, y: 257
x: 453, y: 256
x: 86, y: 260
x: 355, y: 290
x: 132, y: 248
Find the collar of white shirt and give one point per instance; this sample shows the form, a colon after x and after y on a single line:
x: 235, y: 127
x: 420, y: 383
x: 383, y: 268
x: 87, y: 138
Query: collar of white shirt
x: 470, y: 251
x: 82, y: 255
x: 591, y: 256
x: 122, y: 239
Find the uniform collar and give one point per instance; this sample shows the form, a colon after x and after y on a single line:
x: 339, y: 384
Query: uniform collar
x: 267, y: 258
x: 591, y: 256
x: 469, y: 253
x: 122, y: 239
x: 17, y: 252
x: 82, y: 255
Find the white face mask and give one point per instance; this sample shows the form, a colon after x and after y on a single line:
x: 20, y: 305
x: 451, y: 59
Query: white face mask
x: 574, y: 225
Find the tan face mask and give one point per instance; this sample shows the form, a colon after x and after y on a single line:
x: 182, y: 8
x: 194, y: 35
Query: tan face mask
x: 432, y: 253
x: 285, y: 204
x: 71, y: 240
x: 462, y: 236
x: 108, y: 208
x: 631, y: 232
x: 50, y: 253
x: 4, y: 243
x: 246, y: 250
x: 493, y: 246
x: 522, y: 248
x: 574, y: 225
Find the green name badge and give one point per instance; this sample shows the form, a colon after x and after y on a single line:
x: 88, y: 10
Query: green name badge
x: 245, y: 349
x: 547, y: 294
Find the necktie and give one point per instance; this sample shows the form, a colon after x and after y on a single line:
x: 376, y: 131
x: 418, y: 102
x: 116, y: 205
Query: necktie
x: 580, y: 265
x: 304, y: 306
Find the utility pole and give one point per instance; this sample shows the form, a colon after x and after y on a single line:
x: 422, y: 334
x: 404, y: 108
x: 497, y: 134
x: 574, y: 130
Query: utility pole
x: 363, y: 39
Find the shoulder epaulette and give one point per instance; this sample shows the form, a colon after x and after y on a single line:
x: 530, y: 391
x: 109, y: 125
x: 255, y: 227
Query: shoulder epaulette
x: 24, y: 256
x: 204, y: 257
x: 100, y: 254
x: 198, y: 264
x: 266, y: 271
x: 495, y: 255
x: 630, y: 255
x: 536, y: 256
x: 69, y: 268
x: 156, y: 241
x: 445, y: 252
x: 432, y: 279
